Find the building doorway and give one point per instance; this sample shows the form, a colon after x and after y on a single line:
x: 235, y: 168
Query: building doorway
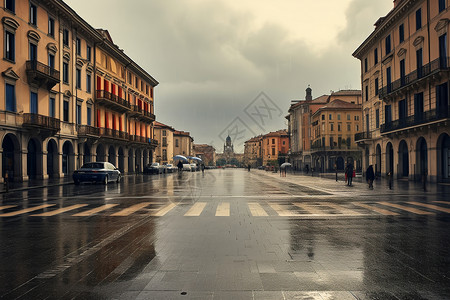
x: 422, y: 157
x: 390, y: 159
x: 403, y: 159
x: 443, y: 158
x: 52, y: 158
x: 378, y: 160
x: 10, y: 158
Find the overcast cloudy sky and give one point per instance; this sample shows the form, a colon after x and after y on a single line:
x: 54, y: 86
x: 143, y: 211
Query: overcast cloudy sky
x: 232, y: 67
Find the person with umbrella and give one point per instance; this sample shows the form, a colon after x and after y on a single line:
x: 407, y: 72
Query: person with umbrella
x: 370, y: 176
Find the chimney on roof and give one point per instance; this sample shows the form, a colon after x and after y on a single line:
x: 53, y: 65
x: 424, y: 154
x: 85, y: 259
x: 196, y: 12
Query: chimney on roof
x: 308, y: 94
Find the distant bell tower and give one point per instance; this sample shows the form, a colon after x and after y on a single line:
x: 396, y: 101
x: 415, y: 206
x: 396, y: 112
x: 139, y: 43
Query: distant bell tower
x: 308, y: 94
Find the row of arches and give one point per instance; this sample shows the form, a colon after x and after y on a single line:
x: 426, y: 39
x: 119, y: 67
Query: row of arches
x: 414, y: 160
x: 54, y: 158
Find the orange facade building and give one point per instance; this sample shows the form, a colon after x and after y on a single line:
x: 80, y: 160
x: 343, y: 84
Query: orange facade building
x: 274, y: 145
x: 70, y: 95
x: 405, y: 83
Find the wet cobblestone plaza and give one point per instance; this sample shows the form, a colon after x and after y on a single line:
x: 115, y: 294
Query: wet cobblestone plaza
x: 226, y: 234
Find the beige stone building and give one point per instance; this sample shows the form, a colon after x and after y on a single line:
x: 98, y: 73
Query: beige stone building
x: 333, y: 129
x: 67, y: 99
x: 300, y: 123
x: 183, y: 143
x: 206, y: 152
x: 253, y: 152
x: 164, y: 151
x: 405, y: 83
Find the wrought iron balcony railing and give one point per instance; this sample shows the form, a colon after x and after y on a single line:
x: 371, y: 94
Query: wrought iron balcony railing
x: 112, y: 101
x: 86, y: 130
x: 41, y: 74
x: 417, y: 119
x: 360, y: 136
x: 423, y: 72
x: 41, y: 122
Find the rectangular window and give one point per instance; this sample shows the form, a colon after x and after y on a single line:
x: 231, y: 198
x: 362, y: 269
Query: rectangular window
x: 176, y: 143
x: 136, y: 82
x: 78, y: 46
x: 129, y: 78
x: 33, y: 52
x: 331, y: 127
x: 66, y: 37
x: 33, y: 103
x: 273, y: 141
x: 88, y: 52
x: 376, y: 87
x: 273, y: 151
x: 349, y: 127
x: 348, y: 117
x: 51, y: 27
x: 419, y: 62
x: 78, y: 81
x: 339, y: 126
x: 51, y: 108
x: 10, y: 46
x: 367, y: 93
x: 10, y: 97
x: 65, y: 72
x: 387, y: 114
x: 10, y: 5
x: 441, y: 5
x: 375, y: 56
x: 387, y: 42
x: 89, y: 115
x: 418, y: 106
x: 377, y: 118
x: 164, y: 142
x: 401, y: 33
x: 357, y: 128
x: 388, y: 79
x: 66, y: 111
x: 443, y: 51
x: 33, y: 14
x: 323, y: 117
x: 331, y: 142
x: 51, y: 60
x: 365, y: 64
x: 78, y: 114
x: 339, y: 116
x: 88, y: 83
x: 330, y: 117
x: 418, y: 19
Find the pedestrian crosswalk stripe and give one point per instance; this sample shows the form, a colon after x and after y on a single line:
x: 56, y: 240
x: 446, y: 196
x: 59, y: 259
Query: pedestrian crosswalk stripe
x: 309, y: 208
x: 196, y: 209
x: 281, y: 211
x: 341, y: 209
x: 58, y: 211
x: 406, y: 208
x: 376, y: 209
x: 94, y: 210
x: 256, y: 210
x: 435, y: 207
x: 223, y: 209
x: 442, y: 202
x: 26, y: 210
x: 132, y: 209
x: 7, y: 206
x: 163, y: 211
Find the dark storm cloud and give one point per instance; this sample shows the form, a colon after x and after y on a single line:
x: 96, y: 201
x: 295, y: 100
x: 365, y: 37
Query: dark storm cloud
x: 212, y: 60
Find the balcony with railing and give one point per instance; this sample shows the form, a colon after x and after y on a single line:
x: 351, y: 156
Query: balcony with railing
x: 425, y: 118
x: 108, y: 133
x: 41, y: 74
x: 363, y: 136
x: 141, y: 114
x: 112, y: 101
x: 42, y: 123
x: 88, y: 131
x: 422, y: 73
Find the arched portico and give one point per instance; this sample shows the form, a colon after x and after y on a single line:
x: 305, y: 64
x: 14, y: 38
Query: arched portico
x: 443, y: 158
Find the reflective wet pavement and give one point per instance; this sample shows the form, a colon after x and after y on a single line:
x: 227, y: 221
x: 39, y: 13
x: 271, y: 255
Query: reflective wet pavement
x: 227, y: 234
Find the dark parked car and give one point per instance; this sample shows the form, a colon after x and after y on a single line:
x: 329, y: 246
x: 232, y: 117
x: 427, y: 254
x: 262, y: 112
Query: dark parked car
x: 154, y: 168
x: 103, y: 172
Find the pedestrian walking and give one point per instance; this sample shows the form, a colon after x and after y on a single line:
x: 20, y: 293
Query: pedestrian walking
x: 307, y: 169
x: 349, y: 173
x: 180, y: 166
x: 202, y: 167
x: 249, y: 167
x: 370, y: 176
x: 336, y: 170
x: 389, y: 175
x: 424, y: 179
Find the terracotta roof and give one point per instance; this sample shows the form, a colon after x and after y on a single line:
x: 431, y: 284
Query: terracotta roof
x: 339, y: 105
x: 159, y: 124
x: 277, y: 133
x: 347, y: 93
